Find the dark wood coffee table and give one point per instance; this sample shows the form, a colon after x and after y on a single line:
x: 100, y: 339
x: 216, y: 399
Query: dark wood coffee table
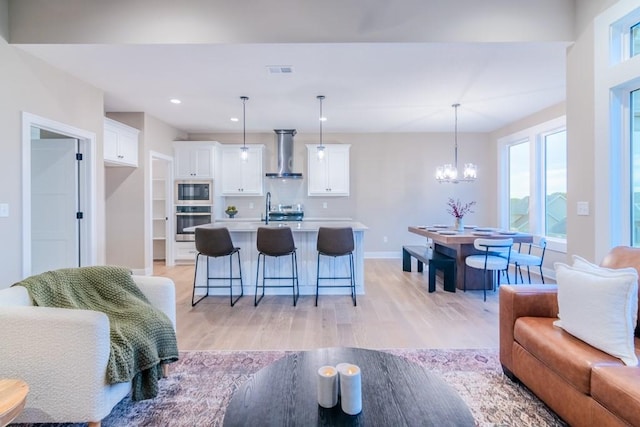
x: 395, y: 392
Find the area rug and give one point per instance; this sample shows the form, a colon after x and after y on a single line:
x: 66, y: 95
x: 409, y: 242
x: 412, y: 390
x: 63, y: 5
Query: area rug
x: 201, y: 384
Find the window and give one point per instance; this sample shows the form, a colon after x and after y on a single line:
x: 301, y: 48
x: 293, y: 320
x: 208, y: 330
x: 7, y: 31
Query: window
x: 555, y: 179
x: 519, y: 186
x: 534, y: 168
x: 635, y: 167
x: 635, y: 39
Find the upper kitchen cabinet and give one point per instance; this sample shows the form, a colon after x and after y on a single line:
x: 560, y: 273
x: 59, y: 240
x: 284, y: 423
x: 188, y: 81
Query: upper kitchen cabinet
x: 329, y: 176
x: 120, y: 144
x: 194, y: 159
x: 242, y: 177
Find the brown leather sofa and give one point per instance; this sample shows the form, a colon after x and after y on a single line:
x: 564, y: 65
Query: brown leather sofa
x: 583, y: 385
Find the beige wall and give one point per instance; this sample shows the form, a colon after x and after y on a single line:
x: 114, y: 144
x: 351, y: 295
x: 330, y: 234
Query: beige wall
x: 392, y: 182
x: 32, y: 86
x: 127, y: 194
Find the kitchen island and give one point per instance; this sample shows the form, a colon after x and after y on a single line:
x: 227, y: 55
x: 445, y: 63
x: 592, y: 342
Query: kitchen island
x: 305, y: 234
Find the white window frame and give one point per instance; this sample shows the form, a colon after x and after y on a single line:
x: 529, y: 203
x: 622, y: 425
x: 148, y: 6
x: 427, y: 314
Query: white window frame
x: 537, y: 173
x: 616, y: 75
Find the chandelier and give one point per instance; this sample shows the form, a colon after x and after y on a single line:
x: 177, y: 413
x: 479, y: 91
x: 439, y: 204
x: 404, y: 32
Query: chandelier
x: 449, y: 172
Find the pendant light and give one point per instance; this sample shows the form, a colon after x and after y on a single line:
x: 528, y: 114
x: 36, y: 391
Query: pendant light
x: 244, y: 150
x: 449, y: 172
x: 320, y: 148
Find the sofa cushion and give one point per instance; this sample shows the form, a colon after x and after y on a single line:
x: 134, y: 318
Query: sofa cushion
x: 599, y: 306
x: 624, y: 256
x: 569, y: 357
x: 617, y: 388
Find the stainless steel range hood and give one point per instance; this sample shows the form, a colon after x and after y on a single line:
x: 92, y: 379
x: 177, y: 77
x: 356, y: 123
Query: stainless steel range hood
x: 284, y: 142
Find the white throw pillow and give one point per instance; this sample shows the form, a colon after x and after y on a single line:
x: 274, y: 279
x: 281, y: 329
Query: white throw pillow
x: 599, y: 306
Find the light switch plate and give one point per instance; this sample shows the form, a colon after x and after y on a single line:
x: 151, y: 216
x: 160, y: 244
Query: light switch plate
x: 4, y: 210
x: 583, y: 208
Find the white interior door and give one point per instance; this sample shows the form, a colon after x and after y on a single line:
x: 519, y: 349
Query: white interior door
x: 54, y: 204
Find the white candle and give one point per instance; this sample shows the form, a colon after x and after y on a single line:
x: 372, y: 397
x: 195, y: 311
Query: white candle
x: 327, y: 386
x: 350, y: 389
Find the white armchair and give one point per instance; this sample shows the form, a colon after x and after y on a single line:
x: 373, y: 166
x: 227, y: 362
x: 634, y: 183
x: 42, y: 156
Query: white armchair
x: 62, y: 354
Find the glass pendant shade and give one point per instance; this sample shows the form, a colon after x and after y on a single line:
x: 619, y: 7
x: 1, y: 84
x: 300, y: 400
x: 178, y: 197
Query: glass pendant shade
x: 244, y: 150
x: 320, y: 148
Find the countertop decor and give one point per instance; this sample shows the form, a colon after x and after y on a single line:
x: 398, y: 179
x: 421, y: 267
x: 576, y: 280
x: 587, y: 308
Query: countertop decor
x: 231, y: 211
x: 459, y: 210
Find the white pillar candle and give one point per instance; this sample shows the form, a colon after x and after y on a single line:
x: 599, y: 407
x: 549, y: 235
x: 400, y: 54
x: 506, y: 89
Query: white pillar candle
x: 327, y: 386
x: 350, y: 389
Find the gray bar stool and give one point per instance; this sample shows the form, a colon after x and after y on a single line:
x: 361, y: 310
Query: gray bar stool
x: 276, y: 242
x: 214, y: 243
x: 336, y: 242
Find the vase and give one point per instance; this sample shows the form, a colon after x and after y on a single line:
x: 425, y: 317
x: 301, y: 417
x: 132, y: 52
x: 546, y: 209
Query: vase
x: 458, y: 225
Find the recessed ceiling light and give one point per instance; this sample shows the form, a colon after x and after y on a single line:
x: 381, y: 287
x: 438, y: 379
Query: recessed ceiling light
x: 234, y: 119
x: 323, y: 119
x: 175, y: 101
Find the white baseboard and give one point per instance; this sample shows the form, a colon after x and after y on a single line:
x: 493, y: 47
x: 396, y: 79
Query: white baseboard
x: 383, y: 255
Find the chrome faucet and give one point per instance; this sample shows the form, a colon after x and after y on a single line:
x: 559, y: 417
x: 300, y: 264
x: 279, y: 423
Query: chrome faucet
x: 267, y: 207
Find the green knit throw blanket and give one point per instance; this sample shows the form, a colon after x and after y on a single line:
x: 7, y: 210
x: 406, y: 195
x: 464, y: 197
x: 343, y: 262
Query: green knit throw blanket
x: 142, y: 337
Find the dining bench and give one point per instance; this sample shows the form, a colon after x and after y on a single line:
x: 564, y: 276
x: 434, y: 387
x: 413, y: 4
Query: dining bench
x: 435, y: 261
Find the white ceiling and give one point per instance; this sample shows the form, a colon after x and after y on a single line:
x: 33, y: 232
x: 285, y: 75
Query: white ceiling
x: 369, y: 85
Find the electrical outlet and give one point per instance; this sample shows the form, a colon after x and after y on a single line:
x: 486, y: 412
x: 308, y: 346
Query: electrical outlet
x: 4, y: 210
x: 250, y: 205
x: 324, y: 205
x: 384, y: 239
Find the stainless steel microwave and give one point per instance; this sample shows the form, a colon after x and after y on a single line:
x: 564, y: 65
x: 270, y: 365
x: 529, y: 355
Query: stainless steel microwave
x: 190, y: 192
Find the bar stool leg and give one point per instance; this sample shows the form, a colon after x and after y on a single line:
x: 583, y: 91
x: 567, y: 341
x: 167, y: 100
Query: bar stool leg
x: 255, y: 297
x: 317, y: 278
x: 353, y: 280
x: 294, y: 278
x: 231, y: 279
x: 195, y: 275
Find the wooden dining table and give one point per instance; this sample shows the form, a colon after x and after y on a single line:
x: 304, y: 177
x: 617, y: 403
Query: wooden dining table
x: 460, y: 245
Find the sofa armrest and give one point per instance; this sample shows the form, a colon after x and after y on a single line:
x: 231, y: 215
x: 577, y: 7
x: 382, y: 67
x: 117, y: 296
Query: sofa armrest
x: 161, y: 293
x: 56, y: 351
x: 523, y: 301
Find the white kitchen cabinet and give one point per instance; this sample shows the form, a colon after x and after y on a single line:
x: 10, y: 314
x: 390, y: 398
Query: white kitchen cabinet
x: 242, y: 177
x: 328, y: 176
x: 185, y: 252
x: 120, y: 144
x: 194, y: 159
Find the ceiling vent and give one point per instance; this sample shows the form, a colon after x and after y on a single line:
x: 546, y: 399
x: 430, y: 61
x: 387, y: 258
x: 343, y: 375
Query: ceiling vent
x: 280, y: 69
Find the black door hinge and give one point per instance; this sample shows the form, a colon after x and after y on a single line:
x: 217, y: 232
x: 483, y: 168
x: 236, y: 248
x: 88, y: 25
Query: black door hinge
x: 79, y: 215
x: 78, y: 156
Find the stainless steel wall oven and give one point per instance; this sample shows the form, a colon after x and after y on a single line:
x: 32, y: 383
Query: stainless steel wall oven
x: 190, y: 216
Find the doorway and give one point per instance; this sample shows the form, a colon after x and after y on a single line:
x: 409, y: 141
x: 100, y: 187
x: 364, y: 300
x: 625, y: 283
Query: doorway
x: 58, y: 199
x: 161, y: 179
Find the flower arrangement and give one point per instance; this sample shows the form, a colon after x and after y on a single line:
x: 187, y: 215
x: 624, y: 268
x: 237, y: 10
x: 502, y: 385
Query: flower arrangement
x: 459, y: 210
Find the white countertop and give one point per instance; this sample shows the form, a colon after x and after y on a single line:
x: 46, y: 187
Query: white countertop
x: 296, y: 226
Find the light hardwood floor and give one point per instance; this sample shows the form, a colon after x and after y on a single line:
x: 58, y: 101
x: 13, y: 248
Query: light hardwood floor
x: 396, y: 312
